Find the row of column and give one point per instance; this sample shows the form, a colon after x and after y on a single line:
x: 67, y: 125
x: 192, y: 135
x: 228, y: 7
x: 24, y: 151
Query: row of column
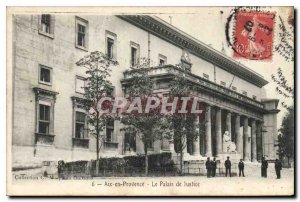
x: 242, y: 145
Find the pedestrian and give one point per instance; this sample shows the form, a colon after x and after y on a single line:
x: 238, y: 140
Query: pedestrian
x: 228, y: 167
x: 264, y: 167
x: 213, y: 167
x: 241, y: 168
x: 278, y: 167
x: 208, y: 167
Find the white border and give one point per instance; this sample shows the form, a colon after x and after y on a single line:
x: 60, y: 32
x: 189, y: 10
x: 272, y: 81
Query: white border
x: 5, y: 3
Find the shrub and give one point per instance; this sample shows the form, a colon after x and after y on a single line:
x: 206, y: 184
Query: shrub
x: 159, y: 164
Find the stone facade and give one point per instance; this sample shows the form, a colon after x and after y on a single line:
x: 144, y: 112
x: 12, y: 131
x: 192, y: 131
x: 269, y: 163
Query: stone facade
x: 228, y: 108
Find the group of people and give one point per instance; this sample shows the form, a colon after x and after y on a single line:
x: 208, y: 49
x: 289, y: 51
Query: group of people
x: 211, y: 167
x: 264, y: 168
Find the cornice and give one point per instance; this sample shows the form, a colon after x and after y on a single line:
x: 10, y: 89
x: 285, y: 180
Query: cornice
x: 78, y: 101
x: 41, y: 91
x: 177, y: 37
x: 210, y: 87
x: 272, y: 111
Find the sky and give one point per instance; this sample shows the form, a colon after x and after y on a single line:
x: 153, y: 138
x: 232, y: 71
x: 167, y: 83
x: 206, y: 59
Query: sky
x: 208, y: 25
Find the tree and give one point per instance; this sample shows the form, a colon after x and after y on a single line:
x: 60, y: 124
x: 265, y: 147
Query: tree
x: 97, y: 85
x: 286, y: 138
x: 149, y: 126
x: 286, y: 132
x: 182, y: 123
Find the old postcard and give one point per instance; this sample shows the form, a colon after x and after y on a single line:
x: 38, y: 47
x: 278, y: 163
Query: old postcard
x: 150, y: 101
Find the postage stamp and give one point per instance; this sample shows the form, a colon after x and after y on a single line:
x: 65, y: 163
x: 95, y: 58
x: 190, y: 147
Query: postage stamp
x: 254, y: 35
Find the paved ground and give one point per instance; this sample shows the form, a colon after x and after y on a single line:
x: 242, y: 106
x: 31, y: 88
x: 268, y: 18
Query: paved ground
x: 252, y: 184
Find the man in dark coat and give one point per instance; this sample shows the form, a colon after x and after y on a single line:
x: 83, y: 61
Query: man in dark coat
x: 213, y: 167
x: 228, y: 167
x: 278, y: 167
x: 241, y: 168
x: 264, y: 167
x: 208, y: 167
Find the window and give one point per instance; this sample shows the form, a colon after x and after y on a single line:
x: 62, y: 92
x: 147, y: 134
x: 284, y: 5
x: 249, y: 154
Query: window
x: 45, y: 75
x: 111, y: 38
x: 244, y: 93
x: 233, y: 88
x: 44, y: 107
x: 80, y: 136
x: 46, y: 25
x: 151, y: 144
x: 206, y: 76
x: 111, y: 91
x: 81, y: 33
x: 110, y: 48
x: 254, y: 97
x: 109, y: 129
x: 79, y: 125
x: 80, y: 84
x: 130, y: 142
x: 135, y: 48
x: 45, y: 21
x: 161, y: 85
x: 223, y: 83
x: 162, y: 60
x: 44, y: 119
x: 133, y: 56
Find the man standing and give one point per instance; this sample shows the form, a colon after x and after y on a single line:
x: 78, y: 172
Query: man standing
x: 213, y: 167
x: 241, y: 168
x: 264, y: 167
x: 228, y: 167
x: 278, y: 167
x: 208, y: 167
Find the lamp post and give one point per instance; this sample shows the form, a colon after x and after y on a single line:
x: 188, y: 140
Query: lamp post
x: 262, y: 139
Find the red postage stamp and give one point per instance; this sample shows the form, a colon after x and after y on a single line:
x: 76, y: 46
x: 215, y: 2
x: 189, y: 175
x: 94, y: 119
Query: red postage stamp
x: 254, y: 35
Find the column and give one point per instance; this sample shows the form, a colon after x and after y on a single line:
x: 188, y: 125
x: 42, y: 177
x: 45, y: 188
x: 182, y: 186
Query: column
x: 208, y: 131
x: 259, y: 141
x: 219, y: 131
x: 245, y: 137
x: 228, y: 123
x: 238, y: 135
x: 253, y: 141
x: 196, y: 141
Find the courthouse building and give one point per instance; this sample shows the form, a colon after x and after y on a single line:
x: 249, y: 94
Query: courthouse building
x: 49, y: 124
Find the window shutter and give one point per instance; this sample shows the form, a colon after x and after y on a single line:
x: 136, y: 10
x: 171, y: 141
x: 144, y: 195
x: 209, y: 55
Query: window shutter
x: 40, y: 22
x: 52, y: 24
x: 86, y: 36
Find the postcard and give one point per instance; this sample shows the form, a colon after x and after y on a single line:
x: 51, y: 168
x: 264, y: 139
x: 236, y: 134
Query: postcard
x: 150, y: 101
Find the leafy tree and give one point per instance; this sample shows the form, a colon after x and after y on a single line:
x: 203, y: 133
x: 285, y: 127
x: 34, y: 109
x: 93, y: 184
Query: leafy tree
x: 286, y: 132
x: 150, y: 126
x: 98, y: 67
x: 182, y: 123
x: 286, y: 138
